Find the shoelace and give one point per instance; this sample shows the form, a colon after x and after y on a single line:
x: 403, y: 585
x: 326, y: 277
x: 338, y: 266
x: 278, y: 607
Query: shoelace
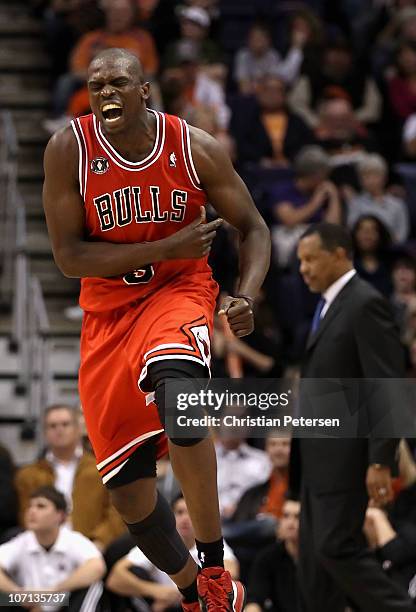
x: 217, y: 599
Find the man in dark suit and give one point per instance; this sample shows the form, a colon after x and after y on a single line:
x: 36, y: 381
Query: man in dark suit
x: 352, y: 337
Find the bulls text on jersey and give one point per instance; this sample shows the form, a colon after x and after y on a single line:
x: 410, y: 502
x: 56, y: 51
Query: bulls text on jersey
x: 130, y: 205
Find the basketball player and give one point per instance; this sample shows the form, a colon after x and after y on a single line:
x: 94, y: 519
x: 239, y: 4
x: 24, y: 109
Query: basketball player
x: 124, y: 196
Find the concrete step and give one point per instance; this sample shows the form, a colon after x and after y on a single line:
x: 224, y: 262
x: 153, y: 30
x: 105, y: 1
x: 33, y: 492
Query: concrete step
x: 30, y: 153
x: 22, y: 451
x: 24, y: 116
x: 62, y: 326
x: 53, y: 282
x: 32, y: 198
x: 64, y: 358
x: 31, y: 171
x: 14, y: 21
x: 5, y: 324
x: 9, y: 362
x: 64, y: 391
x: 37, y: 240
x: 23, y: 57
x: 32, y: 99
x: 11, y: 405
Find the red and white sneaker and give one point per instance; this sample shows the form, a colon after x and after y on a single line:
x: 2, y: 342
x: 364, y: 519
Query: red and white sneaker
x: 218, y: 592
x: 191, y: 607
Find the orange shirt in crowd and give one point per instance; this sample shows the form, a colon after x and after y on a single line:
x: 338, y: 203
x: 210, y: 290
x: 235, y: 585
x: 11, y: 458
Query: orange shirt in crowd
x: 275, y: 496
x: 276, y: 128
x: 137, y: 40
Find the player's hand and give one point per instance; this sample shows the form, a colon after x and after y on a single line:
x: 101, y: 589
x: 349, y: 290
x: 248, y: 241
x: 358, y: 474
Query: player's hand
x: 166, y: 597
x: 193, y: 241
x: 239, y: 315
x: 379, y: 485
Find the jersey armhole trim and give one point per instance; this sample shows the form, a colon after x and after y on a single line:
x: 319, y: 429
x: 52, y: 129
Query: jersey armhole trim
x: 82, y: 156
x: 187, y: 156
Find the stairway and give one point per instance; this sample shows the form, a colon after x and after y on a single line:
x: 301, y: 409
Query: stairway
x: 25, y: 91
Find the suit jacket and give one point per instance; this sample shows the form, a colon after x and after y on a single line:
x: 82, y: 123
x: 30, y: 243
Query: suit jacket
x: 92, y: 514
x: 357, y: 339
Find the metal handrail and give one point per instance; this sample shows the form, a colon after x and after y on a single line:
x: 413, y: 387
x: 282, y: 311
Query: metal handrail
x: 8, y: 155
x: 40, y: 376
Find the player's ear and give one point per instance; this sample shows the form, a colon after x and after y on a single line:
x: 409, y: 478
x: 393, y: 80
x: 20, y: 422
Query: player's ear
x: 145, y: 91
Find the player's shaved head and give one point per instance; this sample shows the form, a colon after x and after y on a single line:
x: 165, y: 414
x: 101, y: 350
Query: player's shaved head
x: 118, y: 57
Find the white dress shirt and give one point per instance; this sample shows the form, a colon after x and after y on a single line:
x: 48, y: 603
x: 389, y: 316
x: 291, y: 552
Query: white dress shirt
x: 239, y: 470
x: 65, y: 473
x: 31, y: 566
x: 334, y: 289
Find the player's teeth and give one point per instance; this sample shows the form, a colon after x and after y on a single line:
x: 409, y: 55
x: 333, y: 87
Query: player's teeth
x: 108, y: 107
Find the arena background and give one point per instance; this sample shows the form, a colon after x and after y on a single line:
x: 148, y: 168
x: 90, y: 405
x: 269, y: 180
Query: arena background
x: 315, y: 103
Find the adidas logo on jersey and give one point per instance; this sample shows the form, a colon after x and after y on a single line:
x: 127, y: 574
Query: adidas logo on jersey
x: 172, y: 160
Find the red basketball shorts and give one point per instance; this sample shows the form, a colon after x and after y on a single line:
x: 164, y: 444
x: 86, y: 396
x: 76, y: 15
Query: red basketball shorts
x: 117, y: 347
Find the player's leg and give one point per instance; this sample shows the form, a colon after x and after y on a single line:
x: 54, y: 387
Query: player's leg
x: 195, y: 466
x: 150, y: 519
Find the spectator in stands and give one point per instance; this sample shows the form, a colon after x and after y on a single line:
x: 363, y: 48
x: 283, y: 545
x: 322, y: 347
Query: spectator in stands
x: 223, y: 347
x: 74, y: 473
x: 272, y: 582
x: 240, y: 466
x: 409, y: 324
x: 374, y: 200
x: 254, y: 521
x: 339, y: 77
x: 400, y: 27
x: 305, y: 21
x: 393, y: 535
x: 205, y: 118
x: 259, y: 59
x: 372, y: 243
x: 308, y: 198
x: 64, y: 23
x: 119, y: 31
x: 338, y: 130
x: 411, y: 373
x: 404, y: 288
x: 159, y: 18
x: 268, y: 496
x: 48, y: 556
x: 402, y: 95
x: 266, y: 131
x: 343, y: 138
x: 194, y: 88
x: 409, y: 136
x: 8, y: 496
x: 135, y: 576
x: 194, y: 38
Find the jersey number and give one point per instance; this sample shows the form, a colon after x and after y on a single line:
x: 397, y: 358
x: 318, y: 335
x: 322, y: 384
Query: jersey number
x: 139, y: 276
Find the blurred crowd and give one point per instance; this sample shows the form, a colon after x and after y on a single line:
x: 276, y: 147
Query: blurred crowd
x: 316, y: 104
x: 59, y: 532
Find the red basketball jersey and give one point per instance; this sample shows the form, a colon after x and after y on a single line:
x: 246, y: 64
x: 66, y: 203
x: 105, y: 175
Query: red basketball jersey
x: 127, y: 202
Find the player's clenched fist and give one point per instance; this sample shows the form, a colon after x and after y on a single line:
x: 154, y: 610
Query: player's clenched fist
x: 239, y: 313
x: 193, y: 241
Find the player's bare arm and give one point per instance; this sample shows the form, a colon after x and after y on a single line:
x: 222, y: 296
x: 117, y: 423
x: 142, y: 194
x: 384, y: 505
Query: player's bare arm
x: 78, y: 257
x: 230, y: 197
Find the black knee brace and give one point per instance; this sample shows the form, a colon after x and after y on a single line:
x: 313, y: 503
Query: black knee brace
x: 157, y: 538
x: 160, y: 372
x: 160, y: 401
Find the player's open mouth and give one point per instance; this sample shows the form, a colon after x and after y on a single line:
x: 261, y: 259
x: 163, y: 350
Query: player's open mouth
x: 112, y: 112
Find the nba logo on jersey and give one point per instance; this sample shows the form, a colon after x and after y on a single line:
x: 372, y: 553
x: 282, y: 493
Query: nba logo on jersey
x: 100, y: 165
x: 172, y: 160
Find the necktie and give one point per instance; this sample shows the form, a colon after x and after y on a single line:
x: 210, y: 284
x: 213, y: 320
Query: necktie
x: 317, y: 315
